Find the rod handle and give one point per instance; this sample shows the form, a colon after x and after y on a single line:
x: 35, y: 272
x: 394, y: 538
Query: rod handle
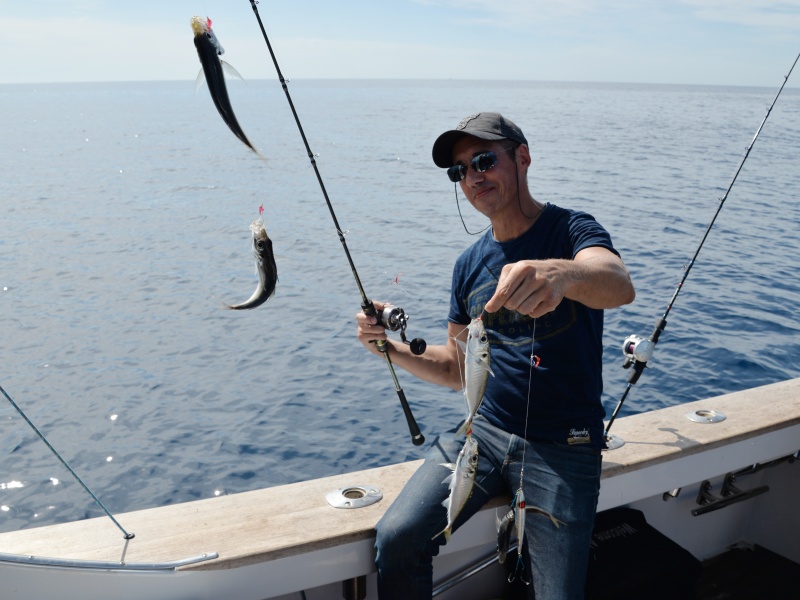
x: 416, y: 435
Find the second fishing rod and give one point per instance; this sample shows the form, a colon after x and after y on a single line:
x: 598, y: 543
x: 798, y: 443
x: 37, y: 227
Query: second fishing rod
x: 637, y: 350
x: 393, y: 318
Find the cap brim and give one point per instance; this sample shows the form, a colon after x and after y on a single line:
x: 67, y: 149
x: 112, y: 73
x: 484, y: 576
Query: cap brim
x: 443, y: 146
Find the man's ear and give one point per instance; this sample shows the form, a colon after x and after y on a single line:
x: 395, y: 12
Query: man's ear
x: 523, y: 155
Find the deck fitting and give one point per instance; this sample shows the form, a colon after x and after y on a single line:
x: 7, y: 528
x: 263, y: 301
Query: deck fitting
x: 704, y: 415
x: 354, y: 496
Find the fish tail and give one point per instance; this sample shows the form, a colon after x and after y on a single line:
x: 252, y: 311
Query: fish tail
x: 558, y: 523
x: 446, y: 532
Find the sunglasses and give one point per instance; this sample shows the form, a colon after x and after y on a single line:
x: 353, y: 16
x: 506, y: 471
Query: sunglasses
x: 480, y: 163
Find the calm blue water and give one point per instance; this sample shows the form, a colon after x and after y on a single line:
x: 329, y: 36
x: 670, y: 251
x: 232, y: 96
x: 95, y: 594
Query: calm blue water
x: 124, y: 222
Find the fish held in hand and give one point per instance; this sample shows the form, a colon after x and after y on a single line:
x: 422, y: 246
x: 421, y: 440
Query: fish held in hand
x: 265, y: 265
x: 209, y: 50
x: 461, y: 482
x: 477, y: 368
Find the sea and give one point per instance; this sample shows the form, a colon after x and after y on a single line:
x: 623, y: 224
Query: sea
x: 124, y: 227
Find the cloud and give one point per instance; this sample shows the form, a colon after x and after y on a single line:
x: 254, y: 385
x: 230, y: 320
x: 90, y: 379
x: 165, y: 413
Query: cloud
x: 748, y: 13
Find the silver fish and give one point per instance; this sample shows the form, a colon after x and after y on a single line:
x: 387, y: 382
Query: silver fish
x: 209, y: 50
x: 477, y: 368
x: 265, y: 265
x: 505, y: 527
x: 461, y: 482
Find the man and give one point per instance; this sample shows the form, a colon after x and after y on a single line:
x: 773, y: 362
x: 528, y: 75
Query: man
x: 540, y: 279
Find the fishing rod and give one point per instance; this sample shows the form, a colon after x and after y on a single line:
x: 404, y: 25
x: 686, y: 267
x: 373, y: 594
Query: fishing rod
x: 393, y: 318
x: 638, y: 350
x: 128, y: 536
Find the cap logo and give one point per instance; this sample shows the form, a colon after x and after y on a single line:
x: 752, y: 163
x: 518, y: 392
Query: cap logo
x: 466, y: 121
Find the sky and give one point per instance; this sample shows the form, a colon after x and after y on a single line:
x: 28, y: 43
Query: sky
x: 715, y: 42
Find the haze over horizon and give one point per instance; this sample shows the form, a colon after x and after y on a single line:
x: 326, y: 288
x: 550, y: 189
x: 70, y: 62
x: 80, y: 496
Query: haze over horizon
x: 714, y: 42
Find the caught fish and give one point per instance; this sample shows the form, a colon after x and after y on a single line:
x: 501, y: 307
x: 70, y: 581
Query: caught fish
x: 505, y: 527
x: 476, y: 370
x: 461, y: 482
x: 265, y: 265
x: 209, y: 50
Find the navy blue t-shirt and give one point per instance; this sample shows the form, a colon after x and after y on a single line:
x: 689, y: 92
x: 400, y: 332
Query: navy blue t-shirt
x: 565, y: 388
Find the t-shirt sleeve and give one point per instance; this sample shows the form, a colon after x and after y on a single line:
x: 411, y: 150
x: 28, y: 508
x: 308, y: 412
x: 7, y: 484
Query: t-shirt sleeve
x: 458, y: 310
x: 585, y: 232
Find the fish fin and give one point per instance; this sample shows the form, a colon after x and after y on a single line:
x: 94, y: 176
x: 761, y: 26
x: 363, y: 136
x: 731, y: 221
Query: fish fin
x: 201, y: 79
x: 446, y: 531
x: 230, y: 71
x: 542, y: 512
x: 487, y: 366
x: 461, y: 345
x: 508, y: 515
x: 450, y: 466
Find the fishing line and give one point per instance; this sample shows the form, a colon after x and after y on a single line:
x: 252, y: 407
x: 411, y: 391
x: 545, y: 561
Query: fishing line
x: 385, y: 280
x: 366, y: 304
x: 519, y: 498
x: 638, y: 350
x: 128, y: 536
x: 458, y: 206
x: 519, y: 199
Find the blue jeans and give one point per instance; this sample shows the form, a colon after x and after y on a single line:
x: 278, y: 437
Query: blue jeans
x: 562, y: 480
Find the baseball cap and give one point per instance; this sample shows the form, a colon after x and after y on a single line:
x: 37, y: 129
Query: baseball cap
x: 489, y: 126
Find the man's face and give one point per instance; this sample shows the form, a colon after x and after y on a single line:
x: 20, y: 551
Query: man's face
x: 495, y: 190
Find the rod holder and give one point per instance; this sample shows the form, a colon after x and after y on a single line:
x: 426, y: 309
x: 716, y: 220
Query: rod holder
x: 729, y: 494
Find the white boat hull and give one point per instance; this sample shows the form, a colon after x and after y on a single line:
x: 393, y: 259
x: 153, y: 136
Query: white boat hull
x: 284, y: 542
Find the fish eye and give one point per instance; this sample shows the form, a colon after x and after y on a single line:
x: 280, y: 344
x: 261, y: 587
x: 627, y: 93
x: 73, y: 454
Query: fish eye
x: 484, y: 338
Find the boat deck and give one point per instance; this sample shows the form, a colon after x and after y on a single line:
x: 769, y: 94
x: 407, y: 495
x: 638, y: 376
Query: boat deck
x: 289, y: 520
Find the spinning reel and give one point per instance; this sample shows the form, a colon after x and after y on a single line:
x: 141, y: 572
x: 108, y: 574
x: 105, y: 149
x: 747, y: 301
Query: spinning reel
x: 394, y: 318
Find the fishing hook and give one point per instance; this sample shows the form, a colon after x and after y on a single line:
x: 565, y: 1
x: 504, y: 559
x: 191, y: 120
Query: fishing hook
x: 366, y: 304
x: 637, y: 350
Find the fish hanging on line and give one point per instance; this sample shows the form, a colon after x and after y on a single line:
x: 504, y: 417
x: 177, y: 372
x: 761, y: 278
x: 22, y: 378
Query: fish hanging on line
x: 505, y: 527
x: 209, y: 50
x: 460, y: 482
x: 265, y: 265
x: 477, y: 356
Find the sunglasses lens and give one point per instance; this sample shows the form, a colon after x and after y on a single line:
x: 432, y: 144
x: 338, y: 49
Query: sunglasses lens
x: 456, y: 173
x: 484, y: 162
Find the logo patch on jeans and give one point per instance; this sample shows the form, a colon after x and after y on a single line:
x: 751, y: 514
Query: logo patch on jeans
x: 579, y: 436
